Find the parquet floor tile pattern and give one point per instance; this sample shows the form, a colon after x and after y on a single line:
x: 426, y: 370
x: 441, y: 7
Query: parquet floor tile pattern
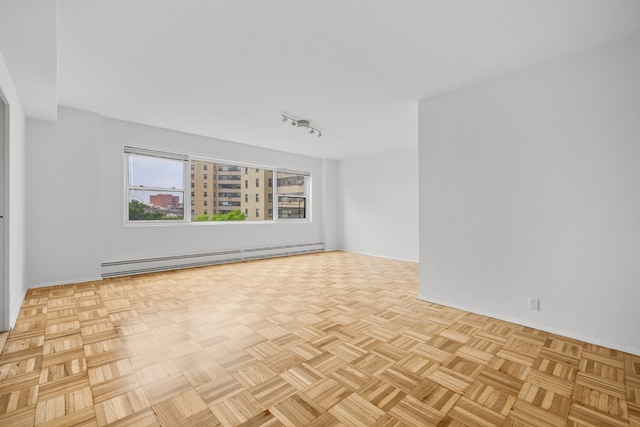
x: 326, y: 339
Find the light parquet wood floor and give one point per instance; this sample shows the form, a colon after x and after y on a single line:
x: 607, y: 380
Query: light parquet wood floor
x: 316, y: 340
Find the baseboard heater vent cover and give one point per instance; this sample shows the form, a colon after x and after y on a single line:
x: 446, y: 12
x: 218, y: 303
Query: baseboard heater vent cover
x: 150, y: 265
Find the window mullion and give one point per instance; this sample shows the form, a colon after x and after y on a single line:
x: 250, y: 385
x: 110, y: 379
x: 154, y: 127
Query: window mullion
x: 186, y: 210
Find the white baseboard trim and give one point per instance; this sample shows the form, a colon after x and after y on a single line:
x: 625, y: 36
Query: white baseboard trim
x: 380, y: 256
x: 149, y: 265
x: 66, y: 282
x: 591, y: 340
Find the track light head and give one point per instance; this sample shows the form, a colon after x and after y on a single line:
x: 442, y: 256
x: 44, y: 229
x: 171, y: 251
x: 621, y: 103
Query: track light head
x: 319, y: 134
x: 294, y: 123
x: 284, y: 119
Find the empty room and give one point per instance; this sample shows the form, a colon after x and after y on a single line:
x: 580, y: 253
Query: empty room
x: 296, y: 213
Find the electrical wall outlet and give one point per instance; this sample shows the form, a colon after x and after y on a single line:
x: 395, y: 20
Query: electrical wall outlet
x: 534, y: 304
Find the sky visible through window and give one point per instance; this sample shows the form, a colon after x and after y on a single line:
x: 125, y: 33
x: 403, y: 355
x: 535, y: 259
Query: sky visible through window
x: 155, y: 172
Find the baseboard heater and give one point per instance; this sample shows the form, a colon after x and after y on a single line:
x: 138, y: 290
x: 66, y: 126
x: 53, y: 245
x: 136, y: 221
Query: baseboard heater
x: 150, y: 265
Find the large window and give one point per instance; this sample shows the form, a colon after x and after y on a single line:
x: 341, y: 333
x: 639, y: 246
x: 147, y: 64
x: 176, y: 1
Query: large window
x: 157, y: 183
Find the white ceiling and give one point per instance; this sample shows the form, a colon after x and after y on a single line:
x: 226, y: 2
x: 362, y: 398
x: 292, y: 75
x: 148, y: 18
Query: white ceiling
x: 228, y: 69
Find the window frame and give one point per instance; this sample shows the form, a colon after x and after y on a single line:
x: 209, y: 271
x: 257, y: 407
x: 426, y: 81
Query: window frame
x: 187, y: 198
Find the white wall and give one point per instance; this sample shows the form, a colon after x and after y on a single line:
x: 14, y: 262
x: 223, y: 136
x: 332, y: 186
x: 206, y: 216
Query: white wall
x: 63, y: 203
x: 530, y: 186
x: 379, y: 205
x: 14, y: 201
x: 76, y: 199
x: 131, y: 242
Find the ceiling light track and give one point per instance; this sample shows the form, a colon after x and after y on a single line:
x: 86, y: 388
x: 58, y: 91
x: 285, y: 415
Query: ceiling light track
x: 301, y: 123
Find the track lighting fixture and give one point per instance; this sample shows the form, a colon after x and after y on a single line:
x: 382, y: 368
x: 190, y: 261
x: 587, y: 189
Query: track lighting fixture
x: 302, y: 124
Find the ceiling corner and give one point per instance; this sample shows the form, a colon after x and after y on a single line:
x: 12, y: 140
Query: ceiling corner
x: 28, y: 42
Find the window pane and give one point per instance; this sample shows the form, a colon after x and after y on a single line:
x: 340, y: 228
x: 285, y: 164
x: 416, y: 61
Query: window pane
x: 292, y: 207
x: 145, y: 205
x: 293, y: 184
x: 292, y: 195
x: 254, y: 197
x: 146, y: 171
x: 233, y: 200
